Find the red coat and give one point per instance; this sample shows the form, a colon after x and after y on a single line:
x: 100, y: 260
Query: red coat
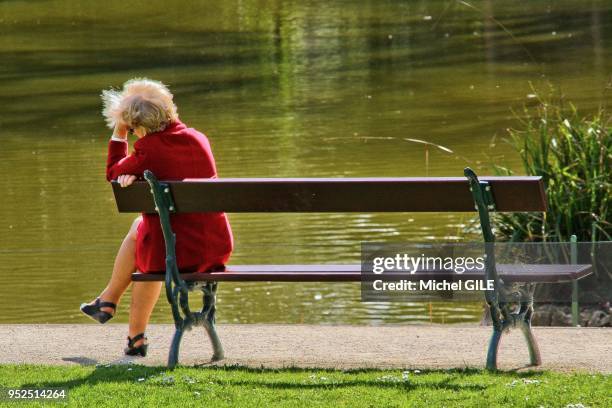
x: 203, y: 240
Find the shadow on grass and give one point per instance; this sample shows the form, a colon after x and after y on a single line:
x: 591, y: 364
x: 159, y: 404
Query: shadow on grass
x: 522, y: 372
x: 405, y: 385
x: 136, y: 374
x: 103, y: 374
x: 82, y: 361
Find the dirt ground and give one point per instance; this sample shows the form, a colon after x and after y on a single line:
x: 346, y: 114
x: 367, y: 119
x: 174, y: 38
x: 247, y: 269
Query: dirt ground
x: 271, y: 345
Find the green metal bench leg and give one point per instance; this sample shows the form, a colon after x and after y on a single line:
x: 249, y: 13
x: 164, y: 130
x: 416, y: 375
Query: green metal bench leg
x: 215, y: 341
x: 174, y: 347
x: 485, y: 202
x: 208, y: 312
x: 532, y: 345
x: 493, y: 348
x: 177, y: 291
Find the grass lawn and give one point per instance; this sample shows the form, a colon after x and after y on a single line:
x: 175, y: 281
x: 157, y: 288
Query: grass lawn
x: 138, y: 386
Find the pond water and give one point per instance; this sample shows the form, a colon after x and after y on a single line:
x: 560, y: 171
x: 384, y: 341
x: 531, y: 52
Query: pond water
x: 282, y: 89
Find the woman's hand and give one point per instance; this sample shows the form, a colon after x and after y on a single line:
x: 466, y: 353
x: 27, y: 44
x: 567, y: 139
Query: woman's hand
x: 125, y: 180
x: 121, y: 131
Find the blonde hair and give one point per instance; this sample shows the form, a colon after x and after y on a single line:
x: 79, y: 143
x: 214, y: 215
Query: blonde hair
x: 143, y: 103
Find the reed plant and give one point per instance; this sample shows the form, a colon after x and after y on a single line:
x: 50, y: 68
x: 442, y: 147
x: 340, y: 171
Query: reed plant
x: 573, y: 154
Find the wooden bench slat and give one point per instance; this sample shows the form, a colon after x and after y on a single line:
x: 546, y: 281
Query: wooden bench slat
x: 352, y: 273
x: 402, y: 194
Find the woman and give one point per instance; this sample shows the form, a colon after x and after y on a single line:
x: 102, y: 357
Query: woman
x: 172, y: 151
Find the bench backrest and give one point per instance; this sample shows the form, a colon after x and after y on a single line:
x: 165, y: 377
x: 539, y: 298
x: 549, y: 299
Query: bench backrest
x: 431, y: 194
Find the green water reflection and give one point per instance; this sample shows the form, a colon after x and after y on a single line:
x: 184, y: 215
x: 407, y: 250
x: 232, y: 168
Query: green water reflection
x: 296, y: 89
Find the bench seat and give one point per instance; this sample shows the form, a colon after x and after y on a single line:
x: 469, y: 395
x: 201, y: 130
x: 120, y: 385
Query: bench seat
x: 352, y: 273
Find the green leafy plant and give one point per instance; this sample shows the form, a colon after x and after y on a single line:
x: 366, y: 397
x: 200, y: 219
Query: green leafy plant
x: 573, y: 154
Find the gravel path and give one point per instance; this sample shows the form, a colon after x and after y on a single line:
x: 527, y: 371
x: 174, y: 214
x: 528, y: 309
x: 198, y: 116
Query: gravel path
x: 270, y: 345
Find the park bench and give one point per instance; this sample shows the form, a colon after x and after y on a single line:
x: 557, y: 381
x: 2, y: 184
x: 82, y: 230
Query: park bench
x: 272, y: 195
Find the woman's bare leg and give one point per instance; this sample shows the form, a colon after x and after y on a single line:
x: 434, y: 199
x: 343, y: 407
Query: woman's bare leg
x: 125, y: 265
x: 144, y: 297
x: 144, y: 294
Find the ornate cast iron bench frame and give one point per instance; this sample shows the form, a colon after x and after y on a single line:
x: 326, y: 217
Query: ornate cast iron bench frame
x: 341, y: 195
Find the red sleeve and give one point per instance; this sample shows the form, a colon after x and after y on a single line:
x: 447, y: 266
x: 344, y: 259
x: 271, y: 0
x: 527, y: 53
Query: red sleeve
x: 119, y: 162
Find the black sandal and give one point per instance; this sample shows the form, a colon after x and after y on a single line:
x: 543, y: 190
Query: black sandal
x: 95, y: 313
x: 141, y: 350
